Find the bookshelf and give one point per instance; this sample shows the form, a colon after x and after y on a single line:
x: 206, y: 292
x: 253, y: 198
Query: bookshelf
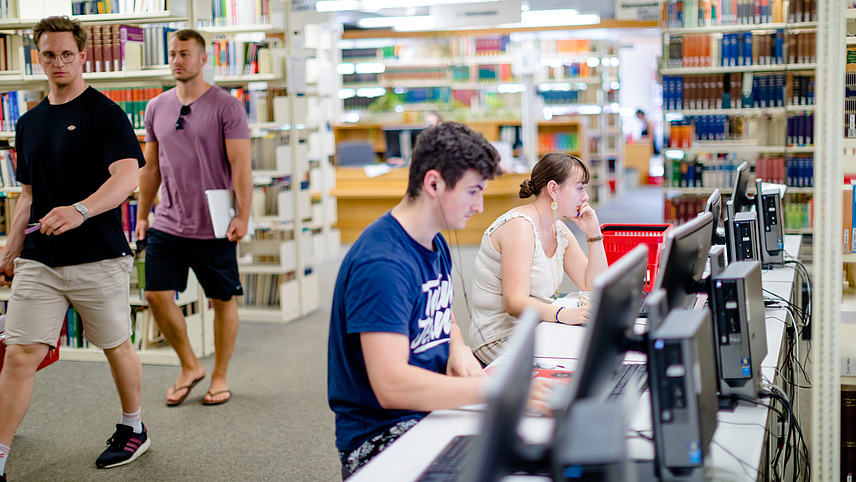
x: 254, y: 40
x: 293, y: 211
x: 469, y: 77
x: 739, y: 88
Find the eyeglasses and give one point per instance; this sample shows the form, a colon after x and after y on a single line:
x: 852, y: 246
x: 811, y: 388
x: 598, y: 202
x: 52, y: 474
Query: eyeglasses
x: 181, y: 123
x: 50, y: 57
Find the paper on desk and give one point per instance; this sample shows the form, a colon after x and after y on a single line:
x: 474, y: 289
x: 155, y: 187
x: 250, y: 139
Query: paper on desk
x: 553, y: 340
x: 375, y: 170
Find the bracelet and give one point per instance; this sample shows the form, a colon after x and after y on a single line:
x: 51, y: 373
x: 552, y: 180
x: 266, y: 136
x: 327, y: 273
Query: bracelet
x: 557, y: 313
x: 594, y: 239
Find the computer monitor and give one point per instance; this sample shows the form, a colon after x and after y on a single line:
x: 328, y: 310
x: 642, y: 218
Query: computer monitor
x: 713, y: 205
x: 498, y: 450
x: 683, y: 261
x: 618, y: 293
x: 400, y: 141
x: 739, y: 194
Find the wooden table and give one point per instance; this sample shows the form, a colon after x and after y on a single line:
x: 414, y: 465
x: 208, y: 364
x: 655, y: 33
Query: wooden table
x: 362, y: 199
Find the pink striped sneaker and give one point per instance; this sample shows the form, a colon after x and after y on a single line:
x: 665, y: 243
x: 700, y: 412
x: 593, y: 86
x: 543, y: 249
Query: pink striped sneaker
x: 123, y: 447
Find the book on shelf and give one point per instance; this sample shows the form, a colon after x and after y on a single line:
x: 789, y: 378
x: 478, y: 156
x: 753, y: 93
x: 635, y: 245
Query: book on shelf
x: 699, y: 13
x: 848, y: 432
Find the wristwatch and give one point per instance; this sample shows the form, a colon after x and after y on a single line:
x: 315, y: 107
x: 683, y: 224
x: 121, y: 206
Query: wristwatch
x: 82, y: 209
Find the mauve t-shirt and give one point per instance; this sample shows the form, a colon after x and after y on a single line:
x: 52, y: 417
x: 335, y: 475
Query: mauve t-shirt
x: 192, y: 159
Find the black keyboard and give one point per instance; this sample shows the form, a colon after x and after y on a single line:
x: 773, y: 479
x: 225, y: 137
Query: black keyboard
x: 447, y: 465
x: 635, y: 372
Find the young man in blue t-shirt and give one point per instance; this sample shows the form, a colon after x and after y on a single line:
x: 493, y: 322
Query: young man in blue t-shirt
x: 395, y: 351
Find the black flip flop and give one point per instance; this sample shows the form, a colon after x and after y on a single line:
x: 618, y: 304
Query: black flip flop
x: 187, y: 389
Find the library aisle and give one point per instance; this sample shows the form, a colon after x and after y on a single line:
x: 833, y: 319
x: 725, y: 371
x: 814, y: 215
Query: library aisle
x: 277, y: 426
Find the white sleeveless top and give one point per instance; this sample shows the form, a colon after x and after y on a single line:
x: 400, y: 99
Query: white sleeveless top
x: 490, y: 322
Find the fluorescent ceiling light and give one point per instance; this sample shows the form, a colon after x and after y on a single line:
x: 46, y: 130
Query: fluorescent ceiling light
x: 510, y: 88
x: 674, y: 154
x: 548, y: 18
x: 590, y: 109
x: 416, y: 22
x: 345, y: 68
x: 344, y: 5
x: 371, y: 92
x: 370, y: 68
x: 347, y: 93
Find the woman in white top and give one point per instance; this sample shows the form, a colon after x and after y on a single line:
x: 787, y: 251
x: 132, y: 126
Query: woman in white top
x: 525, y: 252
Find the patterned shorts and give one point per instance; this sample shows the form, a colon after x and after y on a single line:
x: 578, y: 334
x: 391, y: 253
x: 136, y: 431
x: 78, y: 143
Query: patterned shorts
x: 354, y: 459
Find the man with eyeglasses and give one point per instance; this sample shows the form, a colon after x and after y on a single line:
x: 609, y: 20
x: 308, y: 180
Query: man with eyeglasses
x: 78, y: 160
x: 197, y: 138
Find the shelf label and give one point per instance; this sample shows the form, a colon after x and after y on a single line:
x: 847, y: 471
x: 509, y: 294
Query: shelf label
x: 475, y: 14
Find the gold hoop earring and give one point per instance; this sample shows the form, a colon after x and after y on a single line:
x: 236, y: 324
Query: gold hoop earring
x: 555, y: 207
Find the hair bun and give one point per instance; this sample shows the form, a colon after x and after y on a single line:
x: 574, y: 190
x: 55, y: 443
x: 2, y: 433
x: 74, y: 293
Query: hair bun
x: 526, y: 189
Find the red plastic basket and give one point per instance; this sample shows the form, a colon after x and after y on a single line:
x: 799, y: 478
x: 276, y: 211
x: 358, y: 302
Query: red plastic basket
x: 52, y: 356
x: 619, y: 239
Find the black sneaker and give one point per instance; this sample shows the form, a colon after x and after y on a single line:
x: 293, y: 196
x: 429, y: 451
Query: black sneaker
x: 123, y: 447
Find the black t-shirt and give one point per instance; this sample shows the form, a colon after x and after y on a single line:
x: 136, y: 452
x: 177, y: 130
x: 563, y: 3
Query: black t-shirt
x: 64, y: 153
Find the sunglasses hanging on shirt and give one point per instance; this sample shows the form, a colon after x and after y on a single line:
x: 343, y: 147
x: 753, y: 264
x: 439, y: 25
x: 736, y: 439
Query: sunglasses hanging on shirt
x: 181, y: 123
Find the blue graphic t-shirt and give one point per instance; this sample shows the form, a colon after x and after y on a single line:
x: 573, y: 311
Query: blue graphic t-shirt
x: 387, y: 283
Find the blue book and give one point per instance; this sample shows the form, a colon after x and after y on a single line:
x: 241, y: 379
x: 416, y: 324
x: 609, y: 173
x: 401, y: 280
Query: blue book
x: 778, y: 46
x: 747, y: 48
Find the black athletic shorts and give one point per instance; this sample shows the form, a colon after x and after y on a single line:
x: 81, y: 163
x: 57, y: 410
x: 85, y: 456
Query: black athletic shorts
x: 214, y: 261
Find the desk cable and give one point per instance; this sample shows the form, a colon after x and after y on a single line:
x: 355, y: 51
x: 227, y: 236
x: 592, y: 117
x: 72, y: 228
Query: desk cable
x: 793, y: 440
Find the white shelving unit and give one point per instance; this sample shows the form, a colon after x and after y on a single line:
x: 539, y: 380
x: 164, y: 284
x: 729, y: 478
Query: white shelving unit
x: 749, y: 149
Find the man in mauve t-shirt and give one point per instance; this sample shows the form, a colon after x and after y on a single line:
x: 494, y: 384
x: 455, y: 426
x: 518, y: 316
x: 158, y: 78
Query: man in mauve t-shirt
x: 197, y: 138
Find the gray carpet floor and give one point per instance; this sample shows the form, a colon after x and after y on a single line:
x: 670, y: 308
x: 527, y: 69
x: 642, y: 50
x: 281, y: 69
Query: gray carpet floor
x: 277, y: 426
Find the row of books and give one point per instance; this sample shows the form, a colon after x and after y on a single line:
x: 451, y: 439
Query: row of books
x: 738, y: 49
x: 8, y: 166
x: 129, y: 219
x: 133, y: 101
x: 569, y: 97
x: 227, y: 13
x: 71, y: 334
x: 558, y: 141
x: 695, y: 13
x: 850, y: 98
x: 237, y: 57
x: 847, y: 224
x: 794, y: 171
x: 97, y: 7
x: 726, y: 91
x: 798, y: 210
x: 13, y: 104
x: 801, y: 130
x: 693, y: 173
x: 404, y: 74
x: 719, y: 172
x: 485, y: 46
x: 461, y: 47
x: 256, y: 103
x: 262, y: 289
x: 569, y: 71
x: 9, y: 45
x: 114, y: 48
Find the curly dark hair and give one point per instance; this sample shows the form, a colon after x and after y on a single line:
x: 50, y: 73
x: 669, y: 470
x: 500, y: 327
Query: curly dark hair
x: 451, y: 148
x: 553, y: 167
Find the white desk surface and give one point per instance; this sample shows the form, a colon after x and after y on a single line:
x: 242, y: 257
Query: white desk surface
x: 739, y: 434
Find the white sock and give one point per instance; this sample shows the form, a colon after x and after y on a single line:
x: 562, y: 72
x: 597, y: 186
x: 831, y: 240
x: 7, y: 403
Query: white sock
x: 133, y: 420
x: 4, y: 454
